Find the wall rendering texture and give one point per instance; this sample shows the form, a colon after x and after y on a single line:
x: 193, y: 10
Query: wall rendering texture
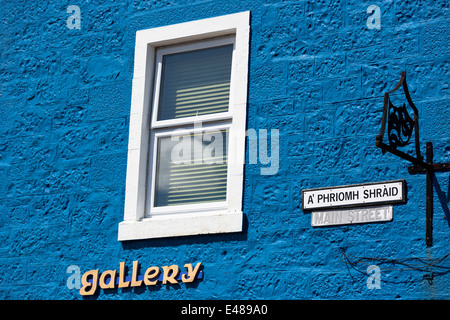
x: 317, y: 73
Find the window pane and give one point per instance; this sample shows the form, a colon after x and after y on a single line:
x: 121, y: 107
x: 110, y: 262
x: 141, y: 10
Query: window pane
x: 191, y: 168
x: 195, y: 83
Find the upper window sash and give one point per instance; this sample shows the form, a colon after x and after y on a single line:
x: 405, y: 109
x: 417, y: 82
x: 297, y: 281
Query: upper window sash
x: 160, y: 52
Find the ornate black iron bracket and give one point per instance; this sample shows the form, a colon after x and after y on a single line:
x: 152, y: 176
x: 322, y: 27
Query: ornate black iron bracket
x: 400, y: 127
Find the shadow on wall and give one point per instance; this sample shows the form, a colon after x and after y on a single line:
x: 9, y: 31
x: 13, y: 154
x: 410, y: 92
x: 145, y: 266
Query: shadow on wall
x: 444, y: 199
x: 188, y: 240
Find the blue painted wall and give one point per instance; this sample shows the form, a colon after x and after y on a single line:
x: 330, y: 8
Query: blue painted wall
x: 317, y: 73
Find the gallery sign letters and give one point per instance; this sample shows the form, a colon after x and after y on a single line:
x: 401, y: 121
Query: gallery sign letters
x: 111, y: 279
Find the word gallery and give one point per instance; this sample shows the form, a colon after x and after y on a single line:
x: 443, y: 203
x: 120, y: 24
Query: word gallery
x: 152, y: 276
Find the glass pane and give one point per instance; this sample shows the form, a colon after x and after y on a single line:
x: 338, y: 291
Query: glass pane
x: 191, y: 168
x: 195, y: 83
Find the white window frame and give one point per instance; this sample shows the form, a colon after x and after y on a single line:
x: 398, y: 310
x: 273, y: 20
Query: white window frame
x: 141, y: 221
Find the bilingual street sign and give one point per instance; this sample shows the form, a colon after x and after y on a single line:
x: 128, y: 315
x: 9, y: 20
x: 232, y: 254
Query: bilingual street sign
x: 366, y: 194
x: 351, y: 216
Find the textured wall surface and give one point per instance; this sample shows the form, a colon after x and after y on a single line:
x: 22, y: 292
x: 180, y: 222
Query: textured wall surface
x: 317, y: 73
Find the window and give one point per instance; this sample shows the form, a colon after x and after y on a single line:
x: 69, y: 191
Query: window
x: 187, y: 129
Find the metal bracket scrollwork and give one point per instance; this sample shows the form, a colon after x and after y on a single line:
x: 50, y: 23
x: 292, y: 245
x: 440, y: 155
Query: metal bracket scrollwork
x: 400, y: 125
x: 400, y: 128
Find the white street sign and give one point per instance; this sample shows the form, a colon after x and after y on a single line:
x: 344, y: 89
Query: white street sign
x: 387, y: 192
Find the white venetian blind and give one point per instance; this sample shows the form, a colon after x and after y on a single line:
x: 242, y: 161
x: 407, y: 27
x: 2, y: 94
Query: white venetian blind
x: 192, y: 170
x: 195, y: 83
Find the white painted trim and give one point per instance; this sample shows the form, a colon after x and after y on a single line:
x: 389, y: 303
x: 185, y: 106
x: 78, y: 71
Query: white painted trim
x: 189, y: 120
x: 180, y: 225
x: 135, y: 224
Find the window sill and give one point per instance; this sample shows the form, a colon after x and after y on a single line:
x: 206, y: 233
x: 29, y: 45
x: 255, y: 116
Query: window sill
x: 180, y: 225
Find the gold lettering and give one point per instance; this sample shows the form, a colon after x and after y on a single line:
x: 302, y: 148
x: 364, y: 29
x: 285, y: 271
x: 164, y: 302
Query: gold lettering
x: 86, y: 285
x: 170, y: 273
x: 122, y: 282
x: 150, y: 274
x: 92, y: 279
x: 134, y: 281
x: 112, y: 276
x: 192, y: 272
